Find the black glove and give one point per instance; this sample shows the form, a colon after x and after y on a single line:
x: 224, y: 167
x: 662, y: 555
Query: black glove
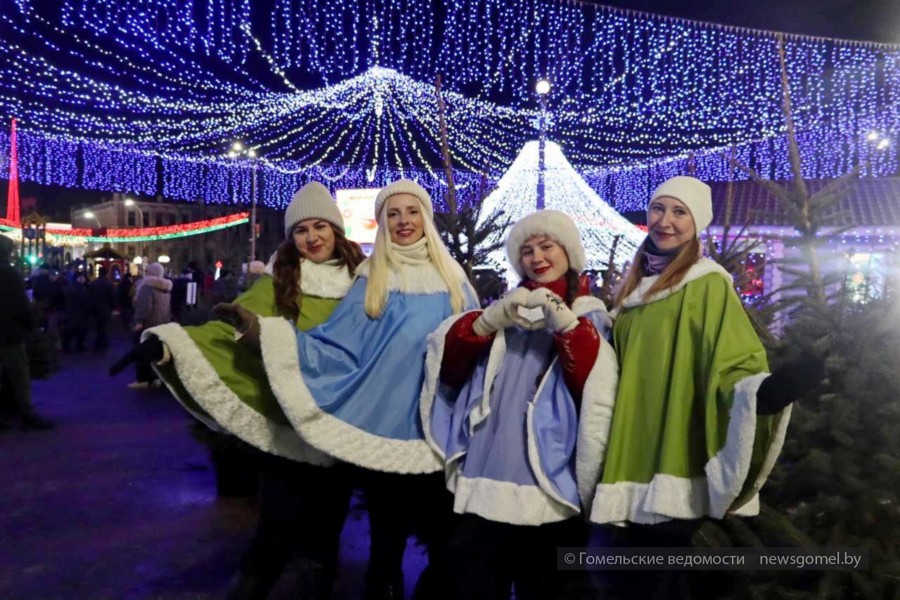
x: 150, y: 350
x: 788, y: 383
x: 245, y: 322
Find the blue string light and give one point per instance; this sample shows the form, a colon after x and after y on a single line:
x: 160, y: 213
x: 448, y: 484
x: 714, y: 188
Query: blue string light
x: 161, y: 86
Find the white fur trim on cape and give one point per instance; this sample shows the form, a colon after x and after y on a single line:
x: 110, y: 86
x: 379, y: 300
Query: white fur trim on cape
x: 495, y: 361
x: 594, y: 421
x: 434, y: 354
x: 325, y: 280
x: 421, y: 278
x: 728, y: 469
x: 669, y: 497
x: 324, y: 431
x: 206, y: 389
x: 506, y: 502
x: 666, y: 497
x: 701, y: 268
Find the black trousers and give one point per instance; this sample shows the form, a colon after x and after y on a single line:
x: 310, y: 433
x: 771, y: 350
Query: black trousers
x: 143, y: 369
x: 487, y: 559
x: 102, y: 327
x: 400, y: 506
x: 302, y: 511
x: 663, y: 585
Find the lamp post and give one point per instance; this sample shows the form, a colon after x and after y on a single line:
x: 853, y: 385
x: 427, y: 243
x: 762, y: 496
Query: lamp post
x: 140, y: 248
x: 542, y: 88
x: 238, y: 150
x: 90, y: 215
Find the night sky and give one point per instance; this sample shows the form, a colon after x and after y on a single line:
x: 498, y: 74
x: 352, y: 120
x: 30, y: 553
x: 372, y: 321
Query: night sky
x: 872, y: 20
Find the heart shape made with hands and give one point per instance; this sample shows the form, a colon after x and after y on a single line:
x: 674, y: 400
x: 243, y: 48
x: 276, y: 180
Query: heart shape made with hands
x: 518, y: 313
x: 532, y: 318
x: 538, y: 306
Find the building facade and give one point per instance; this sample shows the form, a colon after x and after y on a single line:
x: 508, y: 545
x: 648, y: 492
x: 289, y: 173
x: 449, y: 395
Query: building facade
x: 229, y: 246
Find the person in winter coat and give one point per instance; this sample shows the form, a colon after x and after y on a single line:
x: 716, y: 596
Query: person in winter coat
x: 49, y: 293
x: 304, y: 494
x: 16, y: 321
x: 698, y: 421
x: 78, y: 310
x: 124, y: 299
x: 152, y: 307
x: 103, y: 300
x: 504, y: 414
x: 351, y: 386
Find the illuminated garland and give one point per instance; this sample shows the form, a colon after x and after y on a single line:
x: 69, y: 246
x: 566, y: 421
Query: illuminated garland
x: 343, y: 91
x: 141, y: 234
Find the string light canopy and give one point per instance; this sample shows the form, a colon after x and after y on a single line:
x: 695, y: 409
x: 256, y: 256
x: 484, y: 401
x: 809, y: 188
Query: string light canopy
x: 343, y: 92
x: 564, y: 190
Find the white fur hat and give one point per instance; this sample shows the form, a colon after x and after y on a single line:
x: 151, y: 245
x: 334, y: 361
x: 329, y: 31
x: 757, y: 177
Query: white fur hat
x: 404, y: 186
x: 312, y: 201
x: 554, y: 224
x: 693, y: 193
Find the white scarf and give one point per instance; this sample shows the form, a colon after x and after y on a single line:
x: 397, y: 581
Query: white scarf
x: 414, y: 254
x: 413, y: 272
x: 323, y: 280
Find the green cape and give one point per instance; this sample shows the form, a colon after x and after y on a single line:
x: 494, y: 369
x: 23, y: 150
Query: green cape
x: 685, y: 440
x: 223, y: 383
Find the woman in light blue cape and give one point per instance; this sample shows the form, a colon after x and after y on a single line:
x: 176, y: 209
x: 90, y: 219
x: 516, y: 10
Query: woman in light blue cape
x: 351, y: 386
x: 504, y: 413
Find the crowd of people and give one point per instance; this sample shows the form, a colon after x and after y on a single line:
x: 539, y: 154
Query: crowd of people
x: 493, y: 434
x: 75, y: 306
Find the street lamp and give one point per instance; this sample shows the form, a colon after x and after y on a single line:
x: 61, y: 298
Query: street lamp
x: 543, y: 89
x: 90, y: 215
x: 140, y: 248
x: 238, y: 150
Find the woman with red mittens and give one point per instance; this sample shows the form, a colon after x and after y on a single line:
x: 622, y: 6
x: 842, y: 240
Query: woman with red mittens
x: 507, y: 389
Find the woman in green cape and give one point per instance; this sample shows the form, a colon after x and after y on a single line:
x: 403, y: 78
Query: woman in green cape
x: 698, y: 421
x: 304, y: 494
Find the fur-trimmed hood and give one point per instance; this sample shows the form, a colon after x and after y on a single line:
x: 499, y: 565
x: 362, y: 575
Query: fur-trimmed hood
x: 701, y: 268
x: 160, y: 283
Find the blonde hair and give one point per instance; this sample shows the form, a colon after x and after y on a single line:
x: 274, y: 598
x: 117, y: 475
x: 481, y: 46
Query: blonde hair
x: 687, y: 256
x: 382, y: 261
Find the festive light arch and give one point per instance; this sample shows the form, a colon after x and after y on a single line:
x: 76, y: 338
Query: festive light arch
x: 112, y: 93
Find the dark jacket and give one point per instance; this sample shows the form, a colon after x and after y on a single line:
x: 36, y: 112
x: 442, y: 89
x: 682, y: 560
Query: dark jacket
x: 15, y: 310
x: 103, y: 297
x: 78, y: 305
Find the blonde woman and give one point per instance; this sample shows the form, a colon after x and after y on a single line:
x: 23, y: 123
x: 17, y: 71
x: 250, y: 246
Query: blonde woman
x: 351, y: 386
